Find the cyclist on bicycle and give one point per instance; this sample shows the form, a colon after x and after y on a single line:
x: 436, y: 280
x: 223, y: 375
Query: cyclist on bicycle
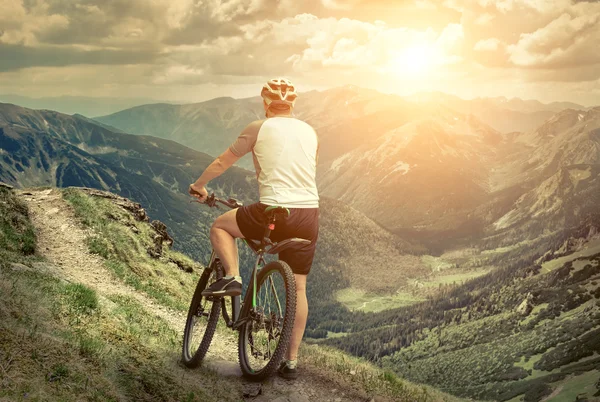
x: 284, y: 151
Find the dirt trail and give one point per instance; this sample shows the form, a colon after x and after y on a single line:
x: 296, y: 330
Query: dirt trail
x: 61, y: 240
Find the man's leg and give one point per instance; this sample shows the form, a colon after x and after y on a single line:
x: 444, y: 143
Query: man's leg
x: 223, y: 233
x: 301, y: 317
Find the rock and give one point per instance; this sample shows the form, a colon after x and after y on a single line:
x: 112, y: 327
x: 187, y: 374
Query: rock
x: 252, y: 390
x: 161, y: 237
x: 134, y: 229
x: 184, y: 266
x: 161, y: 229
x: 155, y: 251
x: 15, y: 266
x: 225, y: 368
x: 5, y: 185
x: 526, y: 305
x: 135, y: 208
x: 298, y: 398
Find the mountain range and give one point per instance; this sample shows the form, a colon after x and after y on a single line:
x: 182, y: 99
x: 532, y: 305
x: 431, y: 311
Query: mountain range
x: 84, y: 105
x: 462, y: 175
x: 425, y: 205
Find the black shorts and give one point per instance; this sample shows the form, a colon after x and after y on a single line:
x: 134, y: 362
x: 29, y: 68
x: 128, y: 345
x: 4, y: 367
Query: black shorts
x: 302, y: 223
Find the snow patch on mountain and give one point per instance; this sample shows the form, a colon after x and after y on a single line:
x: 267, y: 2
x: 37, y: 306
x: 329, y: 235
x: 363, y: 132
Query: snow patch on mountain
x: 398, y: 167
x: 337, y: 164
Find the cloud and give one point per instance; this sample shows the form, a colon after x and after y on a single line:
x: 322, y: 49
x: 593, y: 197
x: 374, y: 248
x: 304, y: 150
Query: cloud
x: 567, y: 41
x: 179, y: 43
x: 15, y: 57
x: 485, y: 45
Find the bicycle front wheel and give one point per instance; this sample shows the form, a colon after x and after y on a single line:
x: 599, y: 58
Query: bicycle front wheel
x: 265, y: 336
x: 202, y: 319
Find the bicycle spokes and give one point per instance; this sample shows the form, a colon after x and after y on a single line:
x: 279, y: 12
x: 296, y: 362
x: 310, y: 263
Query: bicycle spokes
x: 201, y: 322
x: 266, y: 320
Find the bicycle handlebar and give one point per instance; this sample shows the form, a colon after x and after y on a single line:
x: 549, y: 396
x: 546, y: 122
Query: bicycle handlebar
x: 212, y: 201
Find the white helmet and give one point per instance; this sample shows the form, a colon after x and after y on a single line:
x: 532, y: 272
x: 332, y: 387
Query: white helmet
x: 279, y: 91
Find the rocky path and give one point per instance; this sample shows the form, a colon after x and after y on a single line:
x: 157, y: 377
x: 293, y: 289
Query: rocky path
x: 61, y: 240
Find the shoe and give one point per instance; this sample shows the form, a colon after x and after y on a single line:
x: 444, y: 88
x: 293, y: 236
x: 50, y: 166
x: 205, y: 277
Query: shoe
x: 288, y: 373
x: 224, y: 287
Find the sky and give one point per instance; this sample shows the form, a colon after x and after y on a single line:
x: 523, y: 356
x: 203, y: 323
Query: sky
x: 193, y: 50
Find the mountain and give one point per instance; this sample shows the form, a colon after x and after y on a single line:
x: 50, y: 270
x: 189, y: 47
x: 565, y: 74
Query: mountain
x: 503, y: 114
x: 462, y: 175
x: 84, y: 105
x: 435, y: 168
x: 46, y: 148
x: 208, y: 126
x: 344, y: 117
x: 50, y: 148
x: 562, y: 162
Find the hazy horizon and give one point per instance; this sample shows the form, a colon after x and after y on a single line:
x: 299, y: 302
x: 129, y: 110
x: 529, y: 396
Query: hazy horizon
x: 202, y: 99
x: 180, y: 51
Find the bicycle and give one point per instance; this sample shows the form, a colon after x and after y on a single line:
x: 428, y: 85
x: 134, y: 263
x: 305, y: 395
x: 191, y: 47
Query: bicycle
x: 269, y: 305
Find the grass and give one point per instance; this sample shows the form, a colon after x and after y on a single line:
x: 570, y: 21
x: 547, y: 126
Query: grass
x: 80, y: 298
x: 17, y: 235
x: 592, y: 248
x: 534, y: 313
x: 358, y: 299
x: 64, y: 341
x: 60, y: 341
x: 436, y: 264
x: 527, y: 364
x: 345, y: 369
x: 449, y: 279
x: 125, y: 251
x: 571, y: 387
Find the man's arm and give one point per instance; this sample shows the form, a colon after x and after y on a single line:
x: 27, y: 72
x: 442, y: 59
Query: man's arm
x: 214, y: 170
x: 242, y: 145
x: 217, y: 168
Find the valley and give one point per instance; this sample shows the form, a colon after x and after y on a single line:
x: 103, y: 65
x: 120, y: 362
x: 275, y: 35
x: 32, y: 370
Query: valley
x: 437, y: 223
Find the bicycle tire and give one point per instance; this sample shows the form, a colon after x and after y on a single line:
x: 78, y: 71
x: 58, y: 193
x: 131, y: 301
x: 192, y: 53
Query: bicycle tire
x: 286, y: 329
x: 189, y: 359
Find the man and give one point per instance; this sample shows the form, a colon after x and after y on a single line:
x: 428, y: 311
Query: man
x: 284, y: 150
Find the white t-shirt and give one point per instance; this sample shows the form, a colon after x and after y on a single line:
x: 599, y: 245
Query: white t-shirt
x: 284, y: 151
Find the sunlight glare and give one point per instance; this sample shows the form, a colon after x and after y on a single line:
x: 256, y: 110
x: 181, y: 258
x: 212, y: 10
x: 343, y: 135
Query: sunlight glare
x: 415, y: 60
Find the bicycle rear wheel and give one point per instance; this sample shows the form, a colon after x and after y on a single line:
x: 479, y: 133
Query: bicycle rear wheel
x: 202, y: 319
x: 265, y: 336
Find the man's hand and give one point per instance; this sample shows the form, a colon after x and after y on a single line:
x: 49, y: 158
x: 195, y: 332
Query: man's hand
x: 199, y: 192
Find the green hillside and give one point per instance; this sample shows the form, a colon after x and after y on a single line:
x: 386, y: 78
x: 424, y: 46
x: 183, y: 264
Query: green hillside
x: 527, y: 330
x: 67, y: 336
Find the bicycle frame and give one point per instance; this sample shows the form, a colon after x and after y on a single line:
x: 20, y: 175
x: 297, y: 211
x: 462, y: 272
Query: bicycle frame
x: 240, y: 312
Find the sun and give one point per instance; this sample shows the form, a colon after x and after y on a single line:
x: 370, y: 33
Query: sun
x: 418, y: 59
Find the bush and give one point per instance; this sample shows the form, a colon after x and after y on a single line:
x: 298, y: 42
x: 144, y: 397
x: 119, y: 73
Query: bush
x: 537, y: 392
x: 16, y: 231
x: 80, y: 298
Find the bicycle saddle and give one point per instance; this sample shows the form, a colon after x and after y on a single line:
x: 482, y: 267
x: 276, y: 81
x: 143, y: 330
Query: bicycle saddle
x: 282, y: 245
x: 275, y: 212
